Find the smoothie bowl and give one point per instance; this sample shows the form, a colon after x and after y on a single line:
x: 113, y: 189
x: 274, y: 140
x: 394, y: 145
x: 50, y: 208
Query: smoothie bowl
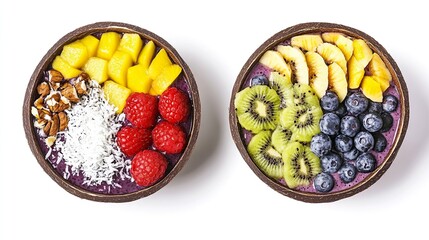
x: 319, y: 111
x: 112, y: 112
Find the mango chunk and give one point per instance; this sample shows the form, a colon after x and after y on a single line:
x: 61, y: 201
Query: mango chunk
x: 109, y: 42
x: 166, y: 78
x: 131, y: 43
x: 138, y: 80
x: 116, y: 94
x: 96, y: 69
x: 75, y: 54
x: 91, y: 44
x: 117, y: 67
x: 146, y: 54
x: 64, y: 68
x: 160, y: 61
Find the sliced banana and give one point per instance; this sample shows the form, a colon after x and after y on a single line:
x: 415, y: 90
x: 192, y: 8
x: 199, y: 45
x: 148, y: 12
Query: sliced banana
x: 296, y: 59
x: 331, y: 54
x: 318, y: 73
x: 275, y: 61
x: 307, y: 42
x: 344, y: 43
x: 337, y: 80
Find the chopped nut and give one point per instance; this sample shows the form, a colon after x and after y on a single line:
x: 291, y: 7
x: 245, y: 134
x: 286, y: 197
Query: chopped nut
x: 40, y: 123
x: 43, y: 89
x: 39, y: 103
x: 50, y: 140
x: 83, y: 77
x: 52, y: 100
x: 55, y: 125
x: 47, y: 127
x: 80, y: 87
x: 44, y: 114
x: 69, y: 91
x: 63, y: 104
x: 54, y: 76
x: 63, y: 120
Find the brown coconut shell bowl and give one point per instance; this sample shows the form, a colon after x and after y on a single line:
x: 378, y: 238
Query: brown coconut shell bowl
x: 241, y: 137
x: 39, y: 149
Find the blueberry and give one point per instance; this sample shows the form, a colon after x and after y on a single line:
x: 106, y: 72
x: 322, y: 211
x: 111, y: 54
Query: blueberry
x: 365, y: 163
x: 330, y: 124
x: 372, y: 122
x: 390, y: 103
x: 364, y: 141
x: 321, y: 144
x: 375, y: 107
x: 259, y: 80
x: 341, y: 111
x: 350, y: 125
x: 351, y: 155
x: 380, y: 142
x: 356, y: 103
x: 343, y: 143
x: 347, y: 173
x: 323, y: 182
x: 329, y: 101
x: 331, y: 162
x: 387, y: 121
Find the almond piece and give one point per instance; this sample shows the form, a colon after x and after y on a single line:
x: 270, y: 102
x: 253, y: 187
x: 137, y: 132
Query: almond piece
x: 50, y: 140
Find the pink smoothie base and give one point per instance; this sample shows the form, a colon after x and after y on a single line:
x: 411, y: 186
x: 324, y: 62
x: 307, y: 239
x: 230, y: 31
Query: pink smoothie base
x: 339, y: 185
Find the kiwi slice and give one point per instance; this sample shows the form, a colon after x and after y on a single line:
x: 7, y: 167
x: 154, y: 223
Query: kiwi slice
x: 300, y: 165
x: 301, y: 94
x: 263, y: 154
x: 257, y: 108
x: 281, y: 84
x: 281, y: 137
x: 303, y: 121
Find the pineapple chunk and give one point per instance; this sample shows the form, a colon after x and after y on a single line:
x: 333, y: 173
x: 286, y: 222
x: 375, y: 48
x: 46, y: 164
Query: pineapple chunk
x: 91, y: 44
x: 371, y: 89
x: 109, y: 41
x: 384, y: 84
x: 147, y: 54
x: 138, y: 80
x: 116, y: 94
x: 64, y: 68
x: 362, y: 52
x: 96, y: 69
x: 131, y: 43
x: 378, y: 68
x: 356, y: 73
x: 75, y: 54
x: 160, y: 61
x: 117, y: 67
x: 152, y: 92
x: 166, y: 78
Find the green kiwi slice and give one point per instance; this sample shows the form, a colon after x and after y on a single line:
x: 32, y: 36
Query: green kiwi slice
x: 281, y: 137
x: 263, y: 154
x: 257, y: 108
x: 303, y: 121
x: 301, y: 95
x: 281, y: 84
x: 300, y: 165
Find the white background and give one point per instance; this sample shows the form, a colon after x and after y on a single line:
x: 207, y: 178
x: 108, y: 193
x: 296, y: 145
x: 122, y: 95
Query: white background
x: 216, y: 196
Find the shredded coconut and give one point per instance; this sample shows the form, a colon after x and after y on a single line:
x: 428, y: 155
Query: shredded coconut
x: 88, y: 145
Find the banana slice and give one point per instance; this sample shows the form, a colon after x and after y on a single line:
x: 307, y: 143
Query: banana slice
x: 356, y: 73
x: 318, y: 73
x: 296, y: 59
x: 307, y: 42
x: 337, y: 80
x: 275, y: 61
x: 344, y: 43
x: 331, y: 54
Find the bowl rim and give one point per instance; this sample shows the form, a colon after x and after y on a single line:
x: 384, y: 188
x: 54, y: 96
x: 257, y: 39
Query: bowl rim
x: 31, y: 94
x: 399, y: 82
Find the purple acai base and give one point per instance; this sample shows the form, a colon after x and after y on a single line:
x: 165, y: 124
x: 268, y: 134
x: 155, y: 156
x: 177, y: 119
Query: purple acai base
x: 259, y: 69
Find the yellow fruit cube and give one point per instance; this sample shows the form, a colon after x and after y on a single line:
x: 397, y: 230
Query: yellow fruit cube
x: 378, y: 68
x: 138, y: 80
x: 64, y: 68
x: 160, y: 61
x: 152, y: 92
x: 384, y: 84
x: 371, y: 89
x: 166, y: 78
x: 116, y: 94
x: 146, y: 54
x: 96, y: 69
x: 117, y: 67
x: 109, y: 42
x: 131, y: 43
x: 75, y: 54
x: 91, y: 44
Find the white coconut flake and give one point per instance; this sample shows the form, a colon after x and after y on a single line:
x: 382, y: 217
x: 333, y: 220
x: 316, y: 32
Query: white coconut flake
x: 89, y: 143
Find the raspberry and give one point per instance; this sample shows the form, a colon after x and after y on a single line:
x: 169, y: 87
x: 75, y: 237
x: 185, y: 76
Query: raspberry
x: 168, y: 137
x: 141, y: 110
x: 147, y: 167
x: 131, y: 140
x: 174, y: 105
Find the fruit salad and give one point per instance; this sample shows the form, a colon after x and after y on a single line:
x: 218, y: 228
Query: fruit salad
x: 113, y: 112
x: 318, y: 112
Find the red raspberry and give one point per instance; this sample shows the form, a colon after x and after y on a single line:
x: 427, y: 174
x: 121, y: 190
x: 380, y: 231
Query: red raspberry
x: 131, y: 140
x: 168, y: 137
x: 147, y: 167
x: 141, y: 110
x: 174, y: 105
